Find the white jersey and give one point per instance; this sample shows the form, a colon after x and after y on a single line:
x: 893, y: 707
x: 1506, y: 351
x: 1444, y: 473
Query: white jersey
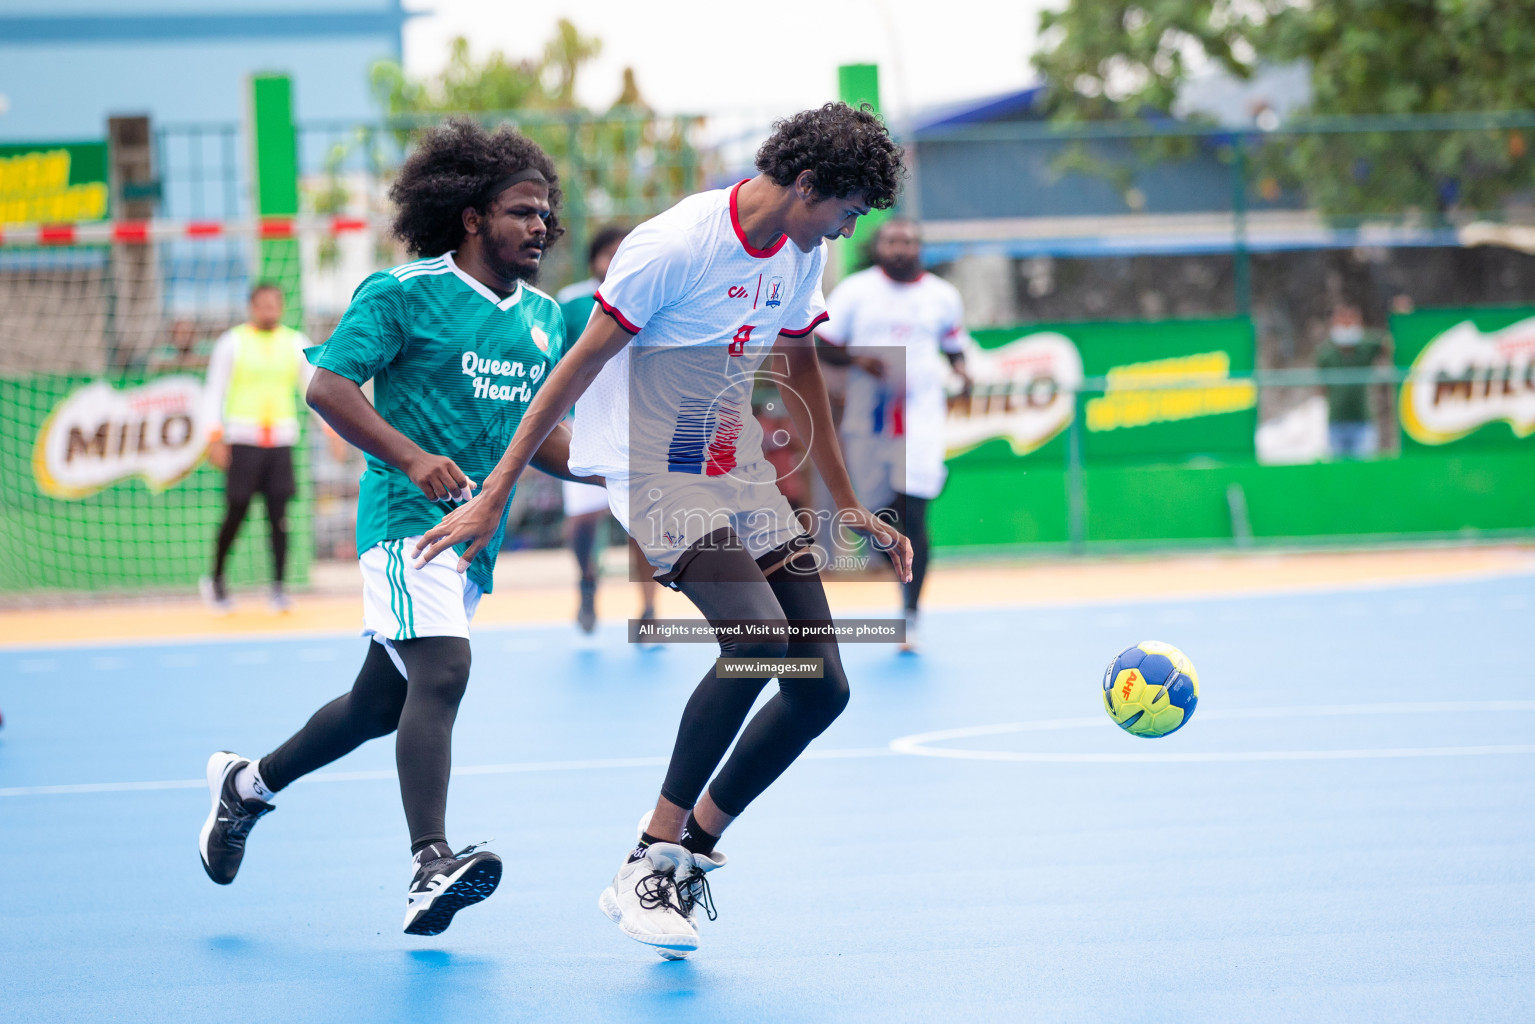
x: 924, y: 318
x: 893, y: 425
x: 705, y: 309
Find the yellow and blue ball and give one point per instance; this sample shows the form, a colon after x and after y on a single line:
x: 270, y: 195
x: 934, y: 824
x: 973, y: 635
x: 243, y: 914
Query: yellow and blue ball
x: 1151, y: 689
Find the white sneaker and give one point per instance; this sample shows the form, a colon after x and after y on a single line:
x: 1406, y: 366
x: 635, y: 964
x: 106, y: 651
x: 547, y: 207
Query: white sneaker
x: 643, y: 901
x: 692, y: 886
x: 277, y: 600
x: 214, y: 595
x: 909, y: 645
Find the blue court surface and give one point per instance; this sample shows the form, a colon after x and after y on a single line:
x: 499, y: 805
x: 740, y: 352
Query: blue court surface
x: 1345, y: 831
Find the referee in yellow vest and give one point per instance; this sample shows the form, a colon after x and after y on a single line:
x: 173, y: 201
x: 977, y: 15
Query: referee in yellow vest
x: 257, y: 377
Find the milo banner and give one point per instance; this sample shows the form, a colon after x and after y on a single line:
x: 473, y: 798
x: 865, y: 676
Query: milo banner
x: 53, y: 183
x: 100, y: 435
x: 107, y: 489
x: 1162, y: 391
x: 1470, y: 377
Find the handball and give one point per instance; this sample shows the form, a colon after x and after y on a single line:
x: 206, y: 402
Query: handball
x: 1150, y: 689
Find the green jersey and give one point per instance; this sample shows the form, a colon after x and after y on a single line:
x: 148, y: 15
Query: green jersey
x: 576, y: 302
x: 454, y: 367
x: 1348, y: 403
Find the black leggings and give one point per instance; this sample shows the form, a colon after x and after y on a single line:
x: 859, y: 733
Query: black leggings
x: 252, y: 471
x: 728, y: 586
x: 583, y: 543
x: 381, y: 700
x: 277, y: 523
x: 911, y: 519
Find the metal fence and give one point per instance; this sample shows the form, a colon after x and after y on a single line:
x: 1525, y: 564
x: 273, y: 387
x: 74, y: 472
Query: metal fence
x: 617, y: 167
x: 1064, y: 498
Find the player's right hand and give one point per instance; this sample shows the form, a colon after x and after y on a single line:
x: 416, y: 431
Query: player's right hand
x: 872, y: 365
x: 218, y: 454
x: 472, y: 524
x: 884, y: 537
x: 439, y: 478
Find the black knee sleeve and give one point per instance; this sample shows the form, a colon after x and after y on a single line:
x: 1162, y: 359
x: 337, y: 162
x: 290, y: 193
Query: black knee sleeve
x: 819, y: 701
x: 799, y: 712
x: 772, y: 645
x: 369, y: 710
x: 437, y: 673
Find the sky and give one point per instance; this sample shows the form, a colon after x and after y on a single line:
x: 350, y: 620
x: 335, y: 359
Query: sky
x: 755, y: 59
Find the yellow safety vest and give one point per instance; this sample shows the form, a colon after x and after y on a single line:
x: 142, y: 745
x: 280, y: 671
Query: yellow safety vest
x: 263, y: 385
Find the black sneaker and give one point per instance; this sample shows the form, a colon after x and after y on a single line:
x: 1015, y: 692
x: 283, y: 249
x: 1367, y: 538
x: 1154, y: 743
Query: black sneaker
x: 445, y: 883
x: 222, y: 842
x: 586, y: 618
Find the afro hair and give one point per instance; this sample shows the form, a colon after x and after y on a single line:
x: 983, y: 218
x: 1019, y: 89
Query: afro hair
x: 455, y: 166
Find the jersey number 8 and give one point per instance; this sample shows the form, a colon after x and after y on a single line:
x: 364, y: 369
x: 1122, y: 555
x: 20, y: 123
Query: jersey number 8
x: 739, y: 342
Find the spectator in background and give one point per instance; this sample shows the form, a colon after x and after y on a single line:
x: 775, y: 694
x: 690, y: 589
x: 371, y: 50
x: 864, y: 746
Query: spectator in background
x: 187, y: 349
x: 586, y: 505
x: 257, y: 377
x: 1351, y: 429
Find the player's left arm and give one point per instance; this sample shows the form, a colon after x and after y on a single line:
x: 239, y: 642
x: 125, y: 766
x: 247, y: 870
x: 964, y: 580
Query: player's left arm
x: 812, y: 418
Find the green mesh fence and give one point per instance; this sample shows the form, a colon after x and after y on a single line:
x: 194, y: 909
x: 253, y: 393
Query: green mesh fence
x: 103, y: 353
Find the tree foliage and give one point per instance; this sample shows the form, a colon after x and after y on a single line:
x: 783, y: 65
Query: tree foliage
x: 497, y: 83
x: 1110, y: 58
x: 622, y: 163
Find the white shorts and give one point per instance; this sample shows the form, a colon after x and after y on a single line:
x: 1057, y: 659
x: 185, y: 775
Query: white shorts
x: 583, y: 499
x: 881, y: 467
x: 401, y: 602
x: 673, y: 511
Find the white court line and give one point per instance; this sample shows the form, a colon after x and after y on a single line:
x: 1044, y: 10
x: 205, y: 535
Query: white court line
x: 514, y: 768
x: 918, y: 743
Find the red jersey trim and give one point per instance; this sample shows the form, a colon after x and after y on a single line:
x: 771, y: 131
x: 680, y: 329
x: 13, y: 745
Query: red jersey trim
x: 735, y: 222
x: 818, y: 321
x: 612, y: 311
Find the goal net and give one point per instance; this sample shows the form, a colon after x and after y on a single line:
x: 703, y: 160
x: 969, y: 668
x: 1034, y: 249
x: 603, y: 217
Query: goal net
x: 105, y: 334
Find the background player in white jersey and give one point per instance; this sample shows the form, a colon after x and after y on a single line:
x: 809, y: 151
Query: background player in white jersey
x: 902, y: 330
x: 456, y: 345
x: 695, y: 300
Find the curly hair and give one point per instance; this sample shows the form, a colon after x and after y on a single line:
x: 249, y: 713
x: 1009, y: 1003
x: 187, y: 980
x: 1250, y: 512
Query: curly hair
x: 606, y: 237
x: 455, y: 166
x: 848, y: 150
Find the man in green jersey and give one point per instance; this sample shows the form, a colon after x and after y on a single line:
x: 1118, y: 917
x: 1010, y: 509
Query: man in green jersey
x: 1351, y: 429
x: 456, y: 344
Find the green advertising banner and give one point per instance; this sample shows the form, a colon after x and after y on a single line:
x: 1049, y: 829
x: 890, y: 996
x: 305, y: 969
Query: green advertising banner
x: 53, y: 183
x: 1148, y: 391
x: 1470, y: 378
x: 106, y: 489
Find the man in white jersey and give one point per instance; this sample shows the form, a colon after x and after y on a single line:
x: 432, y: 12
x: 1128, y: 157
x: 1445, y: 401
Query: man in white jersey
x: 695, y: 301
x: 902, y: 331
